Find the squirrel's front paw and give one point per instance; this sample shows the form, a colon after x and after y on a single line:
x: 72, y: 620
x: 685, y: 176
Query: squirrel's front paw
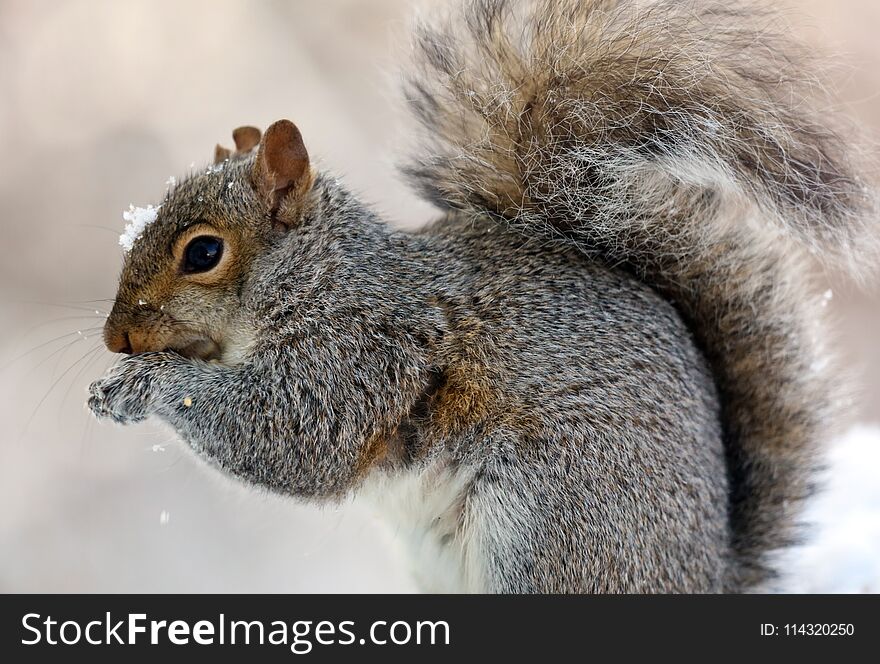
x: 124, y: 393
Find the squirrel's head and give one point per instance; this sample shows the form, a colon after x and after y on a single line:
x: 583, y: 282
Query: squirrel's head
x: 187, y: 259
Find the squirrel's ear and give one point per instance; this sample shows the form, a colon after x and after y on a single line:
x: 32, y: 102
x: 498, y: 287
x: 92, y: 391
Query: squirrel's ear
x: 221, y: 154
x: 282, y: 165
x: 246, y: 138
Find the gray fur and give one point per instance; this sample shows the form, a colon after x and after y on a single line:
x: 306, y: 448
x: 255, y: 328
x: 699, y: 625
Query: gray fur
x: 624, y: 370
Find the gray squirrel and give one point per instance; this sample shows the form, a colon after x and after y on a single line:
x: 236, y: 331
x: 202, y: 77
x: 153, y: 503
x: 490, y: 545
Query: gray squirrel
x: 601, y: 369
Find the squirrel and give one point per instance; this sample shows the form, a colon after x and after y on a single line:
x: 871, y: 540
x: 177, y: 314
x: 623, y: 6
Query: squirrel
x: 601, y: 369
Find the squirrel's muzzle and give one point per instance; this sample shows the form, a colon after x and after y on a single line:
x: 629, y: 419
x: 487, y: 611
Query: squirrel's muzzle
x: 122, y: 337
x: 141, y: 329
x: 117, y: 342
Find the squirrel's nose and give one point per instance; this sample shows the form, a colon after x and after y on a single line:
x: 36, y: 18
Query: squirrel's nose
x: 118, y: 342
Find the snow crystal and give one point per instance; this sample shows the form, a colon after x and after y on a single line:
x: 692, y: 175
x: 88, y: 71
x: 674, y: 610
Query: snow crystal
x: 819, y: 364
x: 142, y: 303
x: 171, y: 181
x: 138, y: 219
x: 158, y: 448
x: 164, y: 518
x: 826, y: 297
x: 841, y: 553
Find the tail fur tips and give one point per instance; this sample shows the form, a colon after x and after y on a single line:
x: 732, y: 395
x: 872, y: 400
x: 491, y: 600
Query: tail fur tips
x: 677, y: 139
x: 591, y: 113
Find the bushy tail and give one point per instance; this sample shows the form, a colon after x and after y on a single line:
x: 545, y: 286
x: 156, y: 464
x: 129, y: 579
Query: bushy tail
x: 675, y: 139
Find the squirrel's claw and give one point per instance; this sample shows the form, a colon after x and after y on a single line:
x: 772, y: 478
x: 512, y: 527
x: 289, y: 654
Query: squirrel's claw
x: 121, y: 395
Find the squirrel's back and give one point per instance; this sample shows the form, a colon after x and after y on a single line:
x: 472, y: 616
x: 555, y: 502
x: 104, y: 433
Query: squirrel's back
x: 574, y: 402
x: 675, y: 141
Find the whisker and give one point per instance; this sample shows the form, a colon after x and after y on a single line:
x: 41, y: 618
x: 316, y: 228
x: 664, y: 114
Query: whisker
x: 101, y: 228
x: 76, y: 333
x: 54, y: 304
x: 84, y: 335
x: 60, y: 353
x: 87, y: 427
x: 90, y: 421
x: 36, y: 326
x: 82, y: 369
x: 54, y: 385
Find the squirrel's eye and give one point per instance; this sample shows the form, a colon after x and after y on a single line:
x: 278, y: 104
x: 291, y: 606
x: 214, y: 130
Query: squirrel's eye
x: 202, y: 253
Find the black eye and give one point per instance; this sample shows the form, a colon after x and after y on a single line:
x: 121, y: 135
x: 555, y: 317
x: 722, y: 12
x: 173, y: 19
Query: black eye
x: 202, y: 253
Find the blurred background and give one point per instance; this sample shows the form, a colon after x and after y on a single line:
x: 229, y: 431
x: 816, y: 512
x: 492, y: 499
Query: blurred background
x: 101, y: 102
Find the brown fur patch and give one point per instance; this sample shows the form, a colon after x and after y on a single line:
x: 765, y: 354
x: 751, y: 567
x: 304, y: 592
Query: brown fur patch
x: 463, y: 399
x: 373, y: 453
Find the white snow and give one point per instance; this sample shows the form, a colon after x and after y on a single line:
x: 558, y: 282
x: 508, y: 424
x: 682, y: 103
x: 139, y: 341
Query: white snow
x: 138, y: 219
x: 818, y: 365
x: 841, y: 553
x: 164, y: 518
